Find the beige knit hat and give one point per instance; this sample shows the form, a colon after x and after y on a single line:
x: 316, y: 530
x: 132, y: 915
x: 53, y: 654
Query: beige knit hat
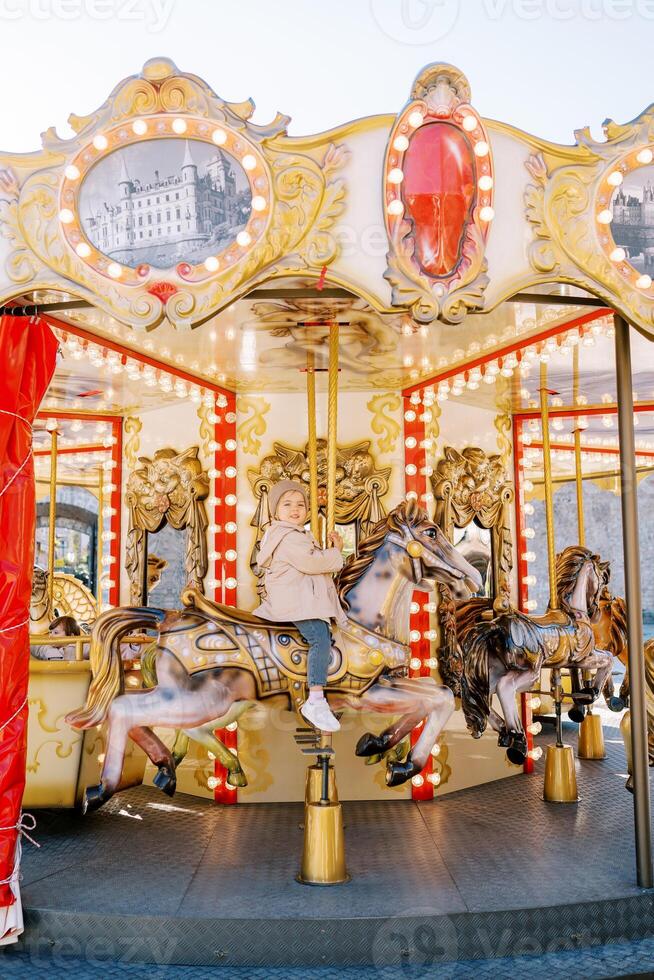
x: 278, y: 490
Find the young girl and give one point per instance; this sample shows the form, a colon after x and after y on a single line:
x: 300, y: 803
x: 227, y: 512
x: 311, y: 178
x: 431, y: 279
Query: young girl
x: 300, y: 589
x: 61, y: 626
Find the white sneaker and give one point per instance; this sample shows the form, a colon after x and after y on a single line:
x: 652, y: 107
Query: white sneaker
x: 320, y: 715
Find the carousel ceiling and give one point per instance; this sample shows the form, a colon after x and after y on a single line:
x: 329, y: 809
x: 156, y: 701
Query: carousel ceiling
x: 261, y: 343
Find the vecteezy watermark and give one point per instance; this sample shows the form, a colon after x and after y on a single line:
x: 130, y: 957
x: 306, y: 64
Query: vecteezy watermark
x: 153, y: 14
x: 420, y: 936
x: 415, y: 21
x: 425, y: 21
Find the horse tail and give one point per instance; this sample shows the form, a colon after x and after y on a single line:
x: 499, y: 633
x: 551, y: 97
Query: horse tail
x: 475, y: 680
x: 106, y: 662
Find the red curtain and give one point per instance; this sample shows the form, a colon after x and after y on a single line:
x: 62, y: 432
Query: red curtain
x: 27, y: 360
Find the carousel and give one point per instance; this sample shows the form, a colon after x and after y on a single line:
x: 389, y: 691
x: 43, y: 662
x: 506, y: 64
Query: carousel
x: 439, y: 328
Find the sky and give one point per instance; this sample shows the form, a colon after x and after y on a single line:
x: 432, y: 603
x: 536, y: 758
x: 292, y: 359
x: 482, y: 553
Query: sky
x: 545, y: 66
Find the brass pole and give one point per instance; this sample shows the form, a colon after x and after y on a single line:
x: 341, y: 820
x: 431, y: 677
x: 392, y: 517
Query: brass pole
x: 52, y: 517
x: 631, y: 551
x: 99, y: 546
x: 313, y: 444
x: 332, y: 423
x: 577, y: 433
x: 547, y: 473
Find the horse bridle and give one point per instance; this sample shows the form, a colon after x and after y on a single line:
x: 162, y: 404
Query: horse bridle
x: 414, y: 549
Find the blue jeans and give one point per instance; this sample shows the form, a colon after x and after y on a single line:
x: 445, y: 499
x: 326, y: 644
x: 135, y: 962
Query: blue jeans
x: 316, y: 633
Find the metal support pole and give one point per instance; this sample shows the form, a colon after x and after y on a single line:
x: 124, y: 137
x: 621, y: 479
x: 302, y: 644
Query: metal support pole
x: 52, y: 518
x: 547, y: 475
x: 312, y: 444
x: 629, y: 498
x: 578, y: 469
x: 332, y: 423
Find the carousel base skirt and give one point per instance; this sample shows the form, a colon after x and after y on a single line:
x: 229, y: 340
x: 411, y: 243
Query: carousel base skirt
x: 487, y: 872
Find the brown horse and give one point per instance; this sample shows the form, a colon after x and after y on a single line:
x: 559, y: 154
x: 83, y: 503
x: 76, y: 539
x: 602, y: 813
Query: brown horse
x: 506, y: 654
x: 212, y: 662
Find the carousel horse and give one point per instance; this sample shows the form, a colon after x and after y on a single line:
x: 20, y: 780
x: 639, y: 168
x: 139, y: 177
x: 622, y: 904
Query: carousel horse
x: 212, y: 662
x: 611, y: 633
x: 506, y: 654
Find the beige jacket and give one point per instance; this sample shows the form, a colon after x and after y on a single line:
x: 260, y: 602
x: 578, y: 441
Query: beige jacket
x: 298, y: 576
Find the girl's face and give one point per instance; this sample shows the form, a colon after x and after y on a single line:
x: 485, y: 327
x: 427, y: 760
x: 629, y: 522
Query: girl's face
x: 292, y: 508
x: 58, y: 630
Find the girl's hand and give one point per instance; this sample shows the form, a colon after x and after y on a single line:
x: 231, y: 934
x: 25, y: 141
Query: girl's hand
x: 335, y: 540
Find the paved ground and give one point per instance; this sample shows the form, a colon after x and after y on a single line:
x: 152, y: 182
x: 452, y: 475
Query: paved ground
x: 619, y: 960
x: 430, y: 882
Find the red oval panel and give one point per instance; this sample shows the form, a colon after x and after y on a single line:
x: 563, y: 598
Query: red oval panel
x: 438, y: 192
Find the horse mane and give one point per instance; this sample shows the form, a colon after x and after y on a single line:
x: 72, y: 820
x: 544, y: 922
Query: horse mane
x: 406, y: 514
x: 568, y: 566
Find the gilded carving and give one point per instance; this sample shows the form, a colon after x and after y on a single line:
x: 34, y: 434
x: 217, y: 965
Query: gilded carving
x: 472, y: 486
x: 568, y: 206
x: 132, y: 426
x: 249, y: 430
x: 440, y: 93
x: 383, y: 424
x: 171, y: 487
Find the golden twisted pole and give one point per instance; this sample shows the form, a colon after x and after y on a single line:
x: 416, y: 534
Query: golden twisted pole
x: 547, y: 475
x: 577, y: 434
x: 52, y: 517
x: 312, y: 444
x: 332, y: 422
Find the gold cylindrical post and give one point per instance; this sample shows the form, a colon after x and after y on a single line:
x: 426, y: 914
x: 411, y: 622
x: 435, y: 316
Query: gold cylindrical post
x: 99, y: 546
x: 547, y: 476
x: 52, y: 517
x: 577, y: 433
x: 631, y: 552
x: 591, y: 738
x: 332, y: 424
x: 312, y: 444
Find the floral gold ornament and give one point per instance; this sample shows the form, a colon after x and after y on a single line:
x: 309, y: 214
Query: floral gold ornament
x: 251, y: 428
x: 132, y: 427
x: 383, y: 424
x: 471, y: 486
x: 438, y: 193
x: 169, y: 488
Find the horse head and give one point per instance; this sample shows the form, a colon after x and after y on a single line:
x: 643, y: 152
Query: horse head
x: 423, y: 551
x: 581, y: 578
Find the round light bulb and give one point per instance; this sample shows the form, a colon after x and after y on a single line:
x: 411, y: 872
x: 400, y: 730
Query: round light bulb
x: 66, y: 216
x: 614, y: 178
x: 258, y: 203
x: 645, y: 156
x: 416, y: 119
x: 83, y: 250
x: 249, y: 161
x: 211, y: 263
x: 469, y: 123
x: 481, y: 148
x: 139, y: 127
x: 395, y: 176
x: 644, y: 282
x: 114, y: 270
x: 71, y: 172
x: 617, y: 255
x: 100, y: 142
x: 400, y: 143
x: 395, y: 207
x: 487, y: 213
x: 485, y: 182
x: 179, y: 126
x: 605, y: 217
x: 243, y: 238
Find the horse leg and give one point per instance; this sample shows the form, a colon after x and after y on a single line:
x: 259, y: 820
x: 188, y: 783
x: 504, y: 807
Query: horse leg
x: 508, y: 687
x: 370, y: 744
x: 180, y: 747
x: 205, y: 735
x: 160, y: 755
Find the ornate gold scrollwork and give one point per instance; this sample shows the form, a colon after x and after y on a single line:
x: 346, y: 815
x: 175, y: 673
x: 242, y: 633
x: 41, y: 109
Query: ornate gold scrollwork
x: 569, y: 208
x: 472, y: 486
x: 440, y: 93
x: 383, y: 424
x: 359, y: 484
x: 303, y: 196
x: 171, y: 487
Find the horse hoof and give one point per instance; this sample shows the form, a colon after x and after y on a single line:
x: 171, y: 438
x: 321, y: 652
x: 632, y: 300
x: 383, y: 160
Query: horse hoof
x: 237, y: 778
x: 94, y: 798
x: 504, y: 738
x: 166, y: 780
x: 617, y: 703
x: 517, y: 750
x: 398, y: 772
x: 577, y: 713
x: 370, y: 744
